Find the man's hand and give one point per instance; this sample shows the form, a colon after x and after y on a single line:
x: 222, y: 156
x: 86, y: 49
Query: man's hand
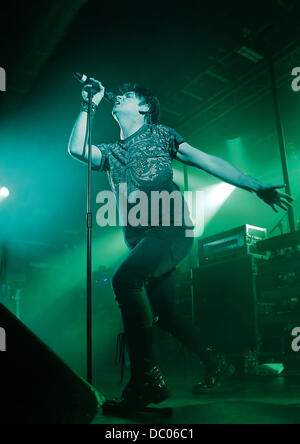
x: 271, y: 196
x: 97, y: 98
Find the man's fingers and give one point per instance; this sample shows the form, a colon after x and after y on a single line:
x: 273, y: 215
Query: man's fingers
x: 273, y: 206
x: 286, y: 196
x: 281, y: 205
x: 278, y: 186
x: 286, y: 203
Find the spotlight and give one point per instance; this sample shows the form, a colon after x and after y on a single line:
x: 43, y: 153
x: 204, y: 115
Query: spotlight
x: 216, y: 196
x: 4, y: 192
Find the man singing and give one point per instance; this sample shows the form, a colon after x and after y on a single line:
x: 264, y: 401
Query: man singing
x: 144, y: 284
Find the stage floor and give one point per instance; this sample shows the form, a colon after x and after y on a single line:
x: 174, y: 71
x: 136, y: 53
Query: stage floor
x: 243, y: 400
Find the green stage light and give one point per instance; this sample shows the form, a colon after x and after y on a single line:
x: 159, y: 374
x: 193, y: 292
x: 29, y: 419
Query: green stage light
x: 67, y: 271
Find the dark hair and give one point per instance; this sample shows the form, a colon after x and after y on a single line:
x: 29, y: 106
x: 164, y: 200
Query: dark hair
x: 149, y: 98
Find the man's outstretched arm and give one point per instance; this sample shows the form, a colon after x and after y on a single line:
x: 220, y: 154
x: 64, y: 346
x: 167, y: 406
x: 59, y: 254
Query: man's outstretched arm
x: 223, y: 170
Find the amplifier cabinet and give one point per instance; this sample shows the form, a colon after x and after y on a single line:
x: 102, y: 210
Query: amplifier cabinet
x: 225, y: 306
x: 233, y: 243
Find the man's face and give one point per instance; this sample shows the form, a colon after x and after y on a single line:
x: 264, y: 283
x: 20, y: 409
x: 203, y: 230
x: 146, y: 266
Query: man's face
x: 129, y: 104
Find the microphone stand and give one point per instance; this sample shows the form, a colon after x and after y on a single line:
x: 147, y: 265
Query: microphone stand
x: 110, y: 97
x: 89, y: 222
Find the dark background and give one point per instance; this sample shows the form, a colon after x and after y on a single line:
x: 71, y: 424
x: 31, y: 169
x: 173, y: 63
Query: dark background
x: 188, y: 54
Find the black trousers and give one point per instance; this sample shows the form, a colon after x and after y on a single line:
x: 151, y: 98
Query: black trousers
x: 145, y: 283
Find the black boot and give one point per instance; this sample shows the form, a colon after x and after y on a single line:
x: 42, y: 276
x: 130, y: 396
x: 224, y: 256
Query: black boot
x: 217, y: 368
x: 146, y: 385
x: 151, y: 388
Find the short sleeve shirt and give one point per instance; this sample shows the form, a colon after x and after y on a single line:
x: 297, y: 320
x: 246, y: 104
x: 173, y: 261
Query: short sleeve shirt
x: 143, y: 161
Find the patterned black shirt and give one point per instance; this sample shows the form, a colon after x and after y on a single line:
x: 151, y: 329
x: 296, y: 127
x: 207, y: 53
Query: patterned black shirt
x: 143, y: 162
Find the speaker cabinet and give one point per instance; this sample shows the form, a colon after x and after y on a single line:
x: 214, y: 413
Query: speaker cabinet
x: 225, y: 304
x: 36, y: 386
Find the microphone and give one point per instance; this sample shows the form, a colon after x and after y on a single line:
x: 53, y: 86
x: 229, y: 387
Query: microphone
x: 85, y: 80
